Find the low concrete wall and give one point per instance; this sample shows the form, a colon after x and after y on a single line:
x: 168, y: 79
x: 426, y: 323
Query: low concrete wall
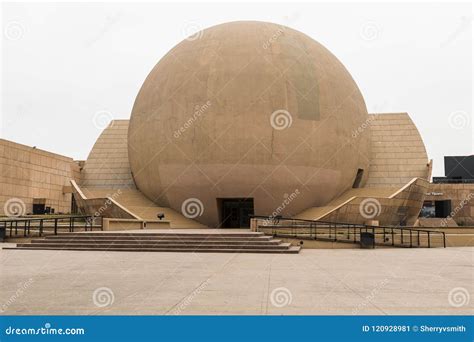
x: 111, y: 224
x: 317, y: 244
x: 157, y: 224
x: 459, y: 240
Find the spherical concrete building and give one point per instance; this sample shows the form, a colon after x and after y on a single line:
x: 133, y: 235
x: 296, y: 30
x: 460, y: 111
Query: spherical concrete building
x: 247, y: 117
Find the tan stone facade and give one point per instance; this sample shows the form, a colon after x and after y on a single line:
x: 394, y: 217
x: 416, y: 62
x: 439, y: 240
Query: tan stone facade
x: 28, y: 174
x: 107, y: 165
x: 398, y: 153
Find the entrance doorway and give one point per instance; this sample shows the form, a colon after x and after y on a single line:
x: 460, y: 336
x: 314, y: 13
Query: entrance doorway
x: 442, y: 208
x: 438, y: 209
x: 234, y: 212
x: 39, y: 206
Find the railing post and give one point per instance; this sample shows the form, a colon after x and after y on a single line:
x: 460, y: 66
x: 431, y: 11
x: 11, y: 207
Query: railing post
x: 55, y: 226
x: 401, y: 232
x: 418, y: 238
x: 444, y: 239
x: 41, y: 228
x: 411, y: 245
x: 393, y: 238
x: 373, y: 233
x: 24, y: 230
x: 429, y: 240
x: 16, y: 228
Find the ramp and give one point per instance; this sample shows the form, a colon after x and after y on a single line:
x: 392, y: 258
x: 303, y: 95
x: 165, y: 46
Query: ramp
x: 317, y: 213
x: 135, y: 202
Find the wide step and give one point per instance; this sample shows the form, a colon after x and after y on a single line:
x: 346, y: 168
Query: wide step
x: 291, y: 250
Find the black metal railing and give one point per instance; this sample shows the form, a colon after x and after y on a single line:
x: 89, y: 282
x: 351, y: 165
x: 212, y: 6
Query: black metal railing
x: 348, y: 232
x: 28, y: 226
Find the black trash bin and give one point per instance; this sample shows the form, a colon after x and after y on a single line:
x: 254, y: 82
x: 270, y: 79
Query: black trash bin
x: 367, y: 240
x: 3, y: 234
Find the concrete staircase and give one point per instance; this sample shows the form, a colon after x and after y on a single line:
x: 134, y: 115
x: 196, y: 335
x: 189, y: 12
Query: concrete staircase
x: 239, y: 242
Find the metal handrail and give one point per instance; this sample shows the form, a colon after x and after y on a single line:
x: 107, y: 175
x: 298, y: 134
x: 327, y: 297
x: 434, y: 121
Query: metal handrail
x: 332, y: 230
x: 71, y: 222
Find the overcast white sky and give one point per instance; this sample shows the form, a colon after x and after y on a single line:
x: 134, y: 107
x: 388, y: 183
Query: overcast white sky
x: 62, y: 63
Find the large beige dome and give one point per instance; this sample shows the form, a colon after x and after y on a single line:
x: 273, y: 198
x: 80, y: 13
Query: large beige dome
x: 248, y: 110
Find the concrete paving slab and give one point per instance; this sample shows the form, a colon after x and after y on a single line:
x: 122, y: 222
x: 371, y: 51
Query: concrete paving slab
x: 322, y: 282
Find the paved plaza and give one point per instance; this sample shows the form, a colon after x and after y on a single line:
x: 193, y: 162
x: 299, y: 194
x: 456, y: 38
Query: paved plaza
x: 321, y: 282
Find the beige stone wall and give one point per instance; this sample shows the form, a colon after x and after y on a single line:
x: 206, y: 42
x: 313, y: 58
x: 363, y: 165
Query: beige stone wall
x: 27, y: 173
x: 107, y: 165
x: 462, y: 200
x: 398, y: 153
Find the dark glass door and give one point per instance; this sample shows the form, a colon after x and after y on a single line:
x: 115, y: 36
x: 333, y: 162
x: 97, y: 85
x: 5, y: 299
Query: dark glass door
x: 235, y: 212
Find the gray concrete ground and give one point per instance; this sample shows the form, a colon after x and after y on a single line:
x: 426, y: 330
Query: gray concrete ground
x: 324, y: 282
